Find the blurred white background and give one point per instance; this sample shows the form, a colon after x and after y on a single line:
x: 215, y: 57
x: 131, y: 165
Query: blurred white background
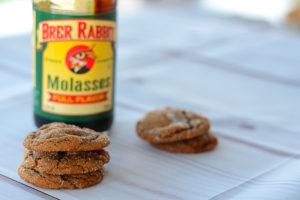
x: 15, y: 15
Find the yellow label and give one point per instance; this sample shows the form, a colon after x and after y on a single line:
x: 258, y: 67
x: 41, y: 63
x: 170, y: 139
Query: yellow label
x: 78, y: 64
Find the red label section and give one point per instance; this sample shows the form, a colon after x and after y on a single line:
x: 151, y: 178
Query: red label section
x: 78, y: 99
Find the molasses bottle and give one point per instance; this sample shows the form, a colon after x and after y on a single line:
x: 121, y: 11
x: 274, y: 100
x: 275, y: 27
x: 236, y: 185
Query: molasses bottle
x: 74, y: 62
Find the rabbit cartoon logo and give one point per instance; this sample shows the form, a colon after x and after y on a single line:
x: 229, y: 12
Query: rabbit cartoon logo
x: 81, y: 59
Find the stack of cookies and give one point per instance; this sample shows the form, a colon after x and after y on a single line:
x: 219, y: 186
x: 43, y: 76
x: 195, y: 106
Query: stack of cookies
x: 65, y: 156
x: 177, y: 130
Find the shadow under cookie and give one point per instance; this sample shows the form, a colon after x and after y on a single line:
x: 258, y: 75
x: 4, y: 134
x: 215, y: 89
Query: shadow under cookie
x: 196, y: 145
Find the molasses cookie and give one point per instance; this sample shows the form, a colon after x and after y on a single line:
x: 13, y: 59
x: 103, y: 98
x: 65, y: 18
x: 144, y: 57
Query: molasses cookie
x: 64, y: 162
x: 198, y: 144
x: 169, y: 125
x: 49, y: 181
x: 65, y: 137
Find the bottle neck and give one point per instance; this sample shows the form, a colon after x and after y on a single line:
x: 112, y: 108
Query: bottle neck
x: 76, y: 7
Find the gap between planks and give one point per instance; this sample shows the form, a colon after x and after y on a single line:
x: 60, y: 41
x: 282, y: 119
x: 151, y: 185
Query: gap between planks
x: 23, y: 186
x: 231, y: 138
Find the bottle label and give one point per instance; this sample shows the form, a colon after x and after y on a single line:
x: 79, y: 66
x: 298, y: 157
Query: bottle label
x: 74, y: 59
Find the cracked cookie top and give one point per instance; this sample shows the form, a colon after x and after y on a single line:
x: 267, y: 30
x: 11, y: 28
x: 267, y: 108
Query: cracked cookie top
x: 170, y: 125
x: 64, y: 162
x: 59, y: 136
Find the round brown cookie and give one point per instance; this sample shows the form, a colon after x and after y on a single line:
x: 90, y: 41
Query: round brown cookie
x: 198, y: 144
x: 64, y: 162
x: 171, y: 125
x: 65, y: 137
x: 49, y: 181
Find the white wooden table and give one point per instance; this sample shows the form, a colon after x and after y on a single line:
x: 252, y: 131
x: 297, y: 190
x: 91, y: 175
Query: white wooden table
x: 244, y: 75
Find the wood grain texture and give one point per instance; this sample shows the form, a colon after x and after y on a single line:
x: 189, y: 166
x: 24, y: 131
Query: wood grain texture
x: 137, y: 170
x: 243, y: 75
x: 11, y: 189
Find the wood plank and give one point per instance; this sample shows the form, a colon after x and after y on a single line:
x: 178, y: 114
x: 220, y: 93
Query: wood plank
x: 199, y: 84
x: 11, y: 189
x: 146, y: 43
x: 16, y: 55
x: 269, y: 55
x: 163, y: 28
x: 271, y: 185
x: 172, y: 60
x: 138, y: 170
x: 12, y: 84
